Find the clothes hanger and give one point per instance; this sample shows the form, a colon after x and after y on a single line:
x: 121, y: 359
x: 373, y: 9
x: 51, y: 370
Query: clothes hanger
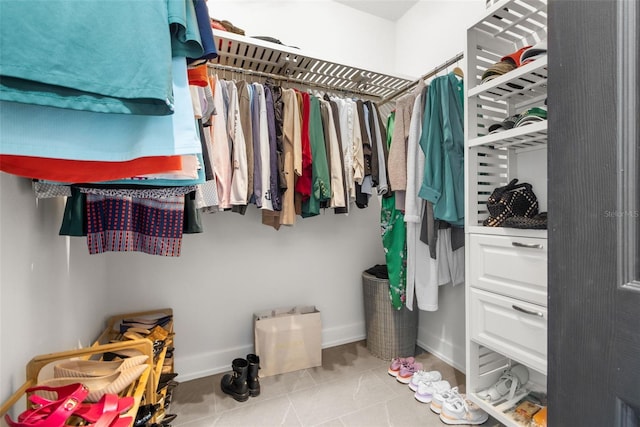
x: 458, y: 71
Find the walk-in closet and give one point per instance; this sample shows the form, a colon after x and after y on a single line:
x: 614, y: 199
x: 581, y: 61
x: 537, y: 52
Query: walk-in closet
x: 319, y: 213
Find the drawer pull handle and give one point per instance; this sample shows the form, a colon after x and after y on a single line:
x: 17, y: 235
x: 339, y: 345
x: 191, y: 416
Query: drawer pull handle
x: 522, y: 310
x: 527, y: 245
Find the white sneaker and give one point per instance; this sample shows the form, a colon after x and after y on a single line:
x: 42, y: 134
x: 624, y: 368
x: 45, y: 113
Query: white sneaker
x: 439, y: 397
x: 425, y: 391
x: 459, y: 410
x: 423, y: 377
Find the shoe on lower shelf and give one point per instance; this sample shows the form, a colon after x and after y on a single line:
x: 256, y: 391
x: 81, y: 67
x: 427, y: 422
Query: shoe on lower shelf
x: 510, y: 382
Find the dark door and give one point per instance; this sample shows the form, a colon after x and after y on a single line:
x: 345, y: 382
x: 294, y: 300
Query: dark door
x: 594, y: 210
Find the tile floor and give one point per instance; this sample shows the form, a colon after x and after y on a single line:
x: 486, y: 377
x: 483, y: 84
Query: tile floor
x: 351, y: 388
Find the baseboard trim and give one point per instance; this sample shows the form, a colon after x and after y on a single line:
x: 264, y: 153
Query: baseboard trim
x: 209, y: 363
x: 445, y: 356
x: 332, y: 337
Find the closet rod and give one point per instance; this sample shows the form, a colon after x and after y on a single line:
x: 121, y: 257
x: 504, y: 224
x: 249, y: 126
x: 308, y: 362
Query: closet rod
x: 264, y: 74
x: 431, y: 73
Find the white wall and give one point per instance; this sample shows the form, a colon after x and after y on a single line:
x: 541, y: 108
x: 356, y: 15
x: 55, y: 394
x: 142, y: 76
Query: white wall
x: 429, y: 34
x: 432, y: 32
x: 52, y: 293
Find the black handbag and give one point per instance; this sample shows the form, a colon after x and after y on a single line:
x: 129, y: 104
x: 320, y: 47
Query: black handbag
x: 511, y: 200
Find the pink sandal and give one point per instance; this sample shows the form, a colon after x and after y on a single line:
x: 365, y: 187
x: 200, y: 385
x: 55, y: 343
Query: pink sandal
x: 55, y: 413
x: 92, y: 412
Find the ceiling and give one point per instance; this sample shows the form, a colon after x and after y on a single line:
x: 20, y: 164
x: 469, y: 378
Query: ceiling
x: 387, y: 9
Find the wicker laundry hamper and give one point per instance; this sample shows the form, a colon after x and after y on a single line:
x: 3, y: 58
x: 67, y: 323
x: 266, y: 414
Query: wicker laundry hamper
x: 390, y: 332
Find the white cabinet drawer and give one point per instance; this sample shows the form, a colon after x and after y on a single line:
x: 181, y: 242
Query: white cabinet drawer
x: 514, y: 328
x: 511, y: 266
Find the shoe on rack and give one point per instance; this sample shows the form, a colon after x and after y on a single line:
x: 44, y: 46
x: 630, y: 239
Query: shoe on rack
x: 459, y: 411
x: 68, y: 403
x: 235, y: 384
x: 509, y: 383
x: 60, y: 399
x: 98, y: 386
x: 167, y: 377
x: 425, y: 391
x: 422, y: 376
x: 120, y: 354
x: 397, y: 363
x: 407, y: 371
x: 165, y: 419
x: 439, y: 397
x: 145, y: 413
x: 169, y: 385
x: 95, y: 368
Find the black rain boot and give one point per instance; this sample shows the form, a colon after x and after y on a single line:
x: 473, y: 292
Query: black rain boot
x: 235, y: 384
x: 252, y: 379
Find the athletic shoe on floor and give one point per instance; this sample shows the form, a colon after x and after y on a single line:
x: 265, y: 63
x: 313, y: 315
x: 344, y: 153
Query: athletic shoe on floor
x: 425, y: 391
x: 423, y: 377
x: 459, y: 411
x: 397, y: 363
x: 439, y: 397
x: 407, y: 371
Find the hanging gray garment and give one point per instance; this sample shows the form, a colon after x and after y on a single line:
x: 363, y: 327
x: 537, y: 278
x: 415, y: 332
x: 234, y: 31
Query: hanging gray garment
x: 336, y: 121
x: 429, y: 231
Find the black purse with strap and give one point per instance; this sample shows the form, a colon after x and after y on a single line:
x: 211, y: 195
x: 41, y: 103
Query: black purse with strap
x: 513, y: 199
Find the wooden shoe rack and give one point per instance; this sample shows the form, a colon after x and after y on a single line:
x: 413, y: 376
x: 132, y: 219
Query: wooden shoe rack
x: 138, y: 389
x: 143, y: 390
x: 161, y: 363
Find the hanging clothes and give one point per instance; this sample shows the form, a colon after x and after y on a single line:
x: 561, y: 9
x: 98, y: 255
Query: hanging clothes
x: 278, y: 115
x: 292, y: 148
x: 442, y: 141
x: 364, y: 190
x: 335, y: 156
x: 303, y: 185
x: 244, y: 105
x: 382, y: 151
x: 335, y: 113
x: 393, y: 232
x: 239, y: 165
x: 220, y: 147
x: 256, y: 197
x: 263, y: 141
x: 271, y: 217
x: 424, y: 273
x: 398, y: 151
x: 320, y: 180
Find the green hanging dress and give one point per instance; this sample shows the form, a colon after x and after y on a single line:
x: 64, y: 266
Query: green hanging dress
x: 394, y: 240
